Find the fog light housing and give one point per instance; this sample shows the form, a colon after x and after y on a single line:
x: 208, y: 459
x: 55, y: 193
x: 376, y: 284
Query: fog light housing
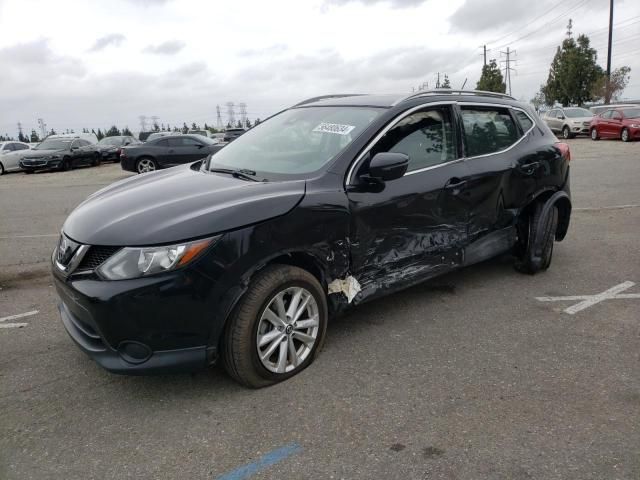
x: 134, y: 352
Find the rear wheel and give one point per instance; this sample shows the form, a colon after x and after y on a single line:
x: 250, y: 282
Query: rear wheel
x: 278, y: 327
x: 625, y: 135
x: 146, y: 164
x: 594, y: 134
x: 1, y: 169
x: 96, y: 160
x: 528, y: 260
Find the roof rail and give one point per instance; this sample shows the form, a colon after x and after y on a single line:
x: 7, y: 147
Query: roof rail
x: 323, y: 97
x: 448, y: 91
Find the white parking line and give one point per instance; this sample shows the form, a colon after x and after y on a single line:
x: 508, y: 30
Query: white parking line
x: 19, y: 315
x: 590, y: 300
x: 13, y: 325
x: 44, y: 235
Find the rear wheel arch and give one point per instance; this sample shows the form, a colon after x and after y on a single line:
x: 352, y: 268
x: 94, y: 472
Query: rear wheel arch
x: 1, y: 168
x: 562, y: 202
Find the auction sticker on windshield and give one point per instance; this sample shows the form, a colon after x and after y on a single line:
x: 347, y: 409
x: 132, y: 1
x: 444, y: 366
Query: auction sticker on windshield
x: 334, y: 128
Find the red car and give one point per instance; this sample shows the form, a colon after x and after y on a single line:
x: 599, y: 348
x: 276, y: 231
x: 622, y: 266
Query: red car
x: 623, y: 123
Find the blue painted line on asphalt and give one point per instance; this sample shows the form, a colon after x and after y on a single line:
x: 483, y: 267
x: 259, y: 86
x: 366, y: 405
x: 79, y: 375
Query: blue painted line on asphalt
x: 263, y: 462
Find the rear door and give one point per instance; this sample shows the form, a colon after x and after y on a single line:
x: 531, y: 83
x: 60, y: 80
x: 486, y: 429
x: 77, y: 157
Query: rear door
x: 413, y: 227
x: 551, y: 119
x: 615, y: 124
x: 505, y: 164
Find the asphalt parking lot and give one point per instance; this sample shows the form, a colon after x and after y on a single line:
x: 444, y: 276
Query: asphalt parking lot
x: 469, y: 376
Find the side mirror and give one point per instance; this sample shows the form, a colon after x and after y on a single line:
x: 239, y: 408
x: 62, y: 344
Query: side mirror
x: 561, y: 117
x: 386, y: 166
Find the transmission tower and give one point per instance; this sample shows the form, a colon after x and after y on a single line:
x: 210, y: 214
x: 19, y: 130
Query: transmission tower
x: 219, y: 125
x: 507, y: 67
x: 243, y: 113
x: 143, y: 123
x: 43, y: 128
x: 20, y: 131
x: 231, y: 114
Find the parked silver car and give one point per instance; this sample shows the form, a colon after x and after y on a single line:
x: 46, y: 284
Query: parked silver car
x: 569, y: 122
x: 10, y: 155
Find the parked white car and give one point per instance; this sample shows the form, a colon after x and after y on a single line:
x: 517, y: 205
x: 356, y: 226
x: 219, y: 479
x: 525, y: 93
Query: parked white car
x: 10, y: 155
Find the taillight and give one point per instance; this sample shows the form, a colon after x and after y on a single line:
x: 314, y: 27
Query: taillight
x: 565, y: 151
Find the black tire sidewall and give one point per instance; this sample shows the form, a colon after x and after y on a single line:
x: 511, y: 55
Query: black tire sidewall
x: 566, y: 133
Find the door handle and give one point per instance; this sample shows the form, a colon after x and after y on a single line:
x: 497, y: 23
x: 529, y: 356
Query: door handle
x: 530, y: 166
x: 455, y: 185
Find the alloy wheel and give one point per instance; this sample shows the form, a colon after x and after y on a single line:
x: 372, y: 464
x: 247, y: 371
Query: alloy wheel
x: 565, y: 132
x: 625, y: 135
x: 146, y: 165
x: 594, y: 134
x: 287, y: 330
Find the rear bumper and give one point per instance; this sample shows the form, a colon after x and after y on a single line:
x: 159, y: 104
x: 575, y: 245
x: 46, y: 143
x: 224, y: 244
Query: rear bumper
x: 128, y: 164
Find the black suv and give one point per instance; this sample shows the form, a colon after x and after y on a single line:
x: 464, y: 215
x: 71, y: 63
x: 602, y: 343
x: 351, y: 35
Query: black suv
x: 338, y: 200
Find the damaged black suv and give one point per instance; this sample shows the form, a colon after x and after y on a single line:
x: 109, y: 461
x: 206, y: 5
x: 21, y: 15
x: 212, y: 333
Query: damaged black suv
x: 244, y: 256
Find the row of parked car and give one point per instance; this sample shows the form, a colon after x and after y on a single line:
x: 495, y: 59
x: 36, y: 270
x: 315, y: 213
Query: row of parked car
x: 612, y: 121
x: 67, y: 151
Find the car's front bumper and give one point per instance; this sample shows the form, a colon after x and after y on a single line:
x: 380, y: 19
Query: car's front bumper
x: 40, y: 164
x: 158, y: 324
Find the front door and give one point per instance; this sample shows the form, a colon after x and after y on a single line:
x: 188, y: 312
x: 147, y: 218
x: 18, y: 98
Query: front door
x: 414, y: 227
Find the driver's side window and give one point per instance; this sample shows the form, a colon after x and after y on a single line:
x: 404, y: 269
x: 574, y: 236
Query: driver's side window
x: 425, y: 136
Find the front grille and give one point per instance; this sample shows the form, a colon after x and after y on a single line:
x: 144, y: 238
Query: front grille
x: 95, y: 257
x: 586, y: 124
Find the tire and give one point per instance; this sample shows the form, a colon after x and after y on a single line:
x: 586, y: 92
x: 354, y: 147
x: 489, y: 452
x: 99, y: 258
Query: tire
x: 1, y: 169
x: 594, y: 134
x: 241, y: 350
x: 96, y: 160
x: 566, y: 133
x: 146, y: 164
x: 525, y: 258
x: 624, y: 135
x: 66, y: 165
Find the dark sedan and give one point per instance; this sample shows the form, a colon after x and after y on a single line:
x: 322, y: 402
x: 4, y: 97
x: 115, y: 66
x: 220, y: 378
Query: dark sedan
x: 111, y: 147
x: 61, y: 154
x: 166, y: 152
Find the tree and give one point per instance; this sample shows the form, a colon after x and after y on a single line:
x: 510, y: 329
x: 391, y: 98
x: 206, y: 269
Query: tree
x: 239, y: 124
x: 126, y: 131
x: 256, y: 121
x: 446, y: 83
x: 34, y: 137
x: 100, y: 135
x: 112, y: 132
x: 612, y: 89
x: 22, y: 137
x: 247, y: 123
x: 52, y: 132
x: 574, y: 72
x: 185, y: 129
x: 491, y: 79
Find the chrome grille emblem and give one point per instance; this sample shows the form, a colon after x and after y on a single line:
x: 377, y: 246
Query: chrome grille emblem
x: 68, y: 255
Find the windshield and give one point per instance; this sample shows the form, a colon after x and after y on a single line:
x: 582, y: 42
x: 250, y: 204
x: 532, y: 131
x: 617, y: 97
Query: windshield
x: 631, y: 112
x: 53, y: 144
x: 577, y: 112
x: 117, y: 141
x: 296, y: 141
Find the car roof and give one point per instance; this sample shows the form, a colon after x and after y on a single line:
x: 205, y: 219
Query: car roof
x: 391, y: 100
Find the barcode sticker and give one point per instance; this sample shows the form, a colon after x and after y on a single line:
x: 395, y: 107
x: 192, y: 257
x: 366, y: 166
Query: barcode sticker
x: 334, y: 128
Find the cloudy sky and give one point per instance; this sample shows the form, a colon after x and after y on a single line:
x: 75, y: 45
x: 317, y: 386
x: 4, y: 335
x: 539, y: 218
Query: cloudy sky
x: 93, y: 64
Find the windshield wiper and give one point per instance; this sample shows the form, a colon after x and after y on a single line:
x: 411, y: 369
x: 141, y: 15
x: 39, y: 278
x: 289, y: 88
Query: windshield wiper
x: 243, y: 173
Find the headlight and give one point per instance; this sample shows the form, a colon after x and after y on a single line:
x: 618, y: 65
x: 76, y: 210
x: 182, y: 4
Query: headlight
x: 136, y: 262
x: 635, y: 125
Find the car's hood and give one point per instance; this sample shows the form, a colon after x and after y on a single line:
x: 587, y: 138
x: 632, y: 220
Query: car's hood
x: 43, y: 153
x: 177, y: 204
x: 580, y: 119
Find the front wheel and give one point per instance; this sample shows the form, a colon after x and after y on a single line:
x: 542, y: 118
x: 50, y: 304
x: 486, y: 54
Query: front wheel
x: 146, y: 164
x: 625, y: 135
x: 594, y: 134
x: 1, y: 169
x: 96, y: 160
x: 528, y: 260
x: 65, y: 165
x: 566, y: 133
x: 277, y: 328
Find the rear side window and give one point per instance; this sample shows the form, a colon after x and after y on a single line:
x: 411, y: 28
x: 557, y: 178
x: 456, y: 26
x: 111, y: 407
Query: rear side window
x: 425, y: 136
x: 607, y: 114
x: 488, y: 130
x: 20, y: 146
x: 523, y: 118
x: 162, y: 143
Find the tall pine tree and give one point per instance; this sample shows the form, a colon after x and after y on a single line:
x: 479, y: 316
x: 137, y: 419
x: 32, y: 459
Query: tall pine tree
x: 491, y: 79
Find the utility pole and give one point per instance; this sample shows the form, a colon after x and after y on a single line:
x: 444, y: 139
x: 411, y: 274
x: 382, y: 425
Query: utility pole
x: 507, y: 68
x: 484, y: 54
x: 607, y: 98
x: 231, y: 114
x: 243, y: 113
x: 219, y: 125
x: 20, y: 131
x: 143, y: 123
